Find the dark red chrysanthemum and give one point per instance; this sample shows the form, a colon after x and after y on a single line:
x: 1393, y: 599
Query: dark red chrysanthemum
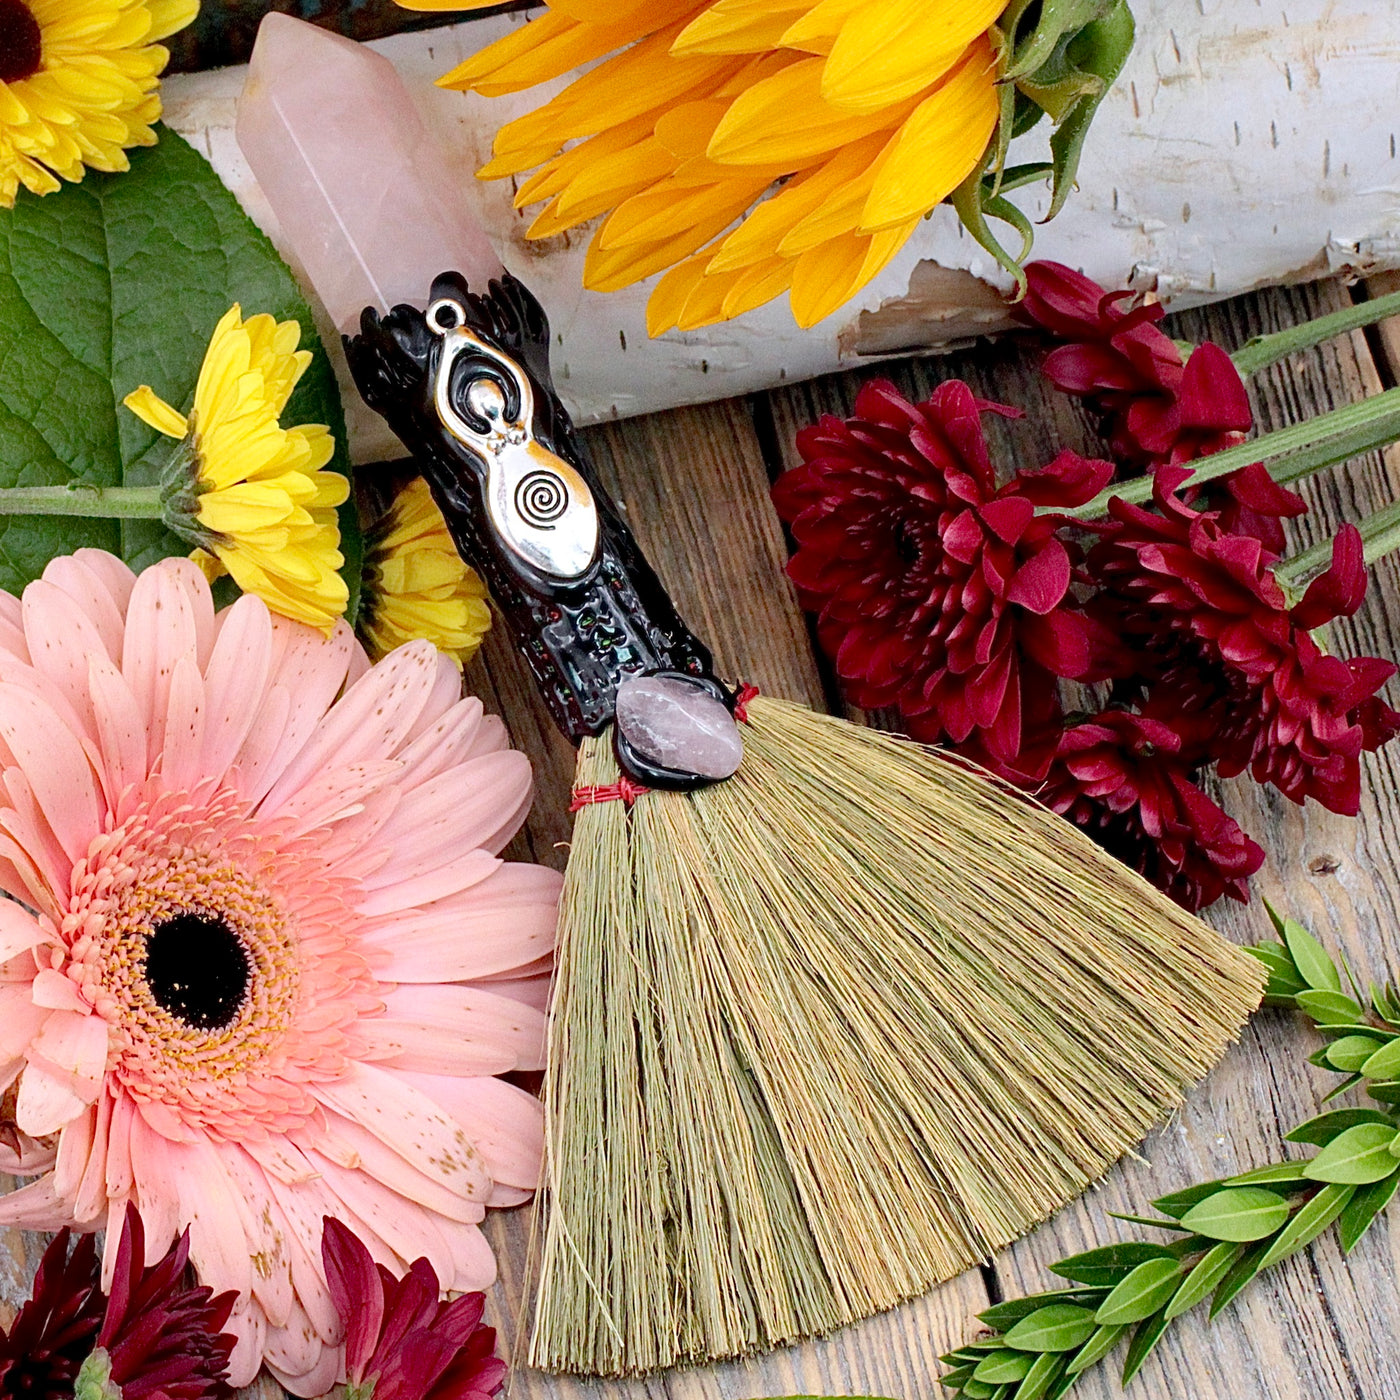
x: 401, y: 1342
x: 1200, y: 615
x: 1156, y: 408
x: 1123, y: 779
x: 1153, y: 408
x: 937, y: 592
x: 162, y: 1336
x: 54, y: 1330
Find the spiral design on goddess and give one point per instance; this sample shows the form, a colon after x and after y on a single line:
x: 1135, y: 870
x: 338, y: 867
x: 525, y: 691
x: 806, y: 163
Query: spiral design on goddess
x: 541, y: 497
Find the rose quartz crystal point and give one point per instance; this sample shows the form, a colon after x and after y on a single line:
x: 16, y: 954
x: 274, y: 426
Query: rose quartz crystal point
x: 359, y: 187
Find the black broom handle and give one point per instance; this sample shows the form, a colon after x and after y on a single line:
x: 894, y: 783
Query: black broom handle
x: 466, y: 388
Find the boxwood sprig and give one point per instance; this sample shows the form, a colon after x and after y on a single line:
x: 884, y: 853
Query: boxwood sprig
x: 1219, y: 1235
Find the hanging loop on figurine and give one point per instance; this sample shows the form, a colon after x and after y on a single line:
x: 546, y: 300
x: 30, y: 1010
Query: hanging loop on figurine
x: 539, y: 506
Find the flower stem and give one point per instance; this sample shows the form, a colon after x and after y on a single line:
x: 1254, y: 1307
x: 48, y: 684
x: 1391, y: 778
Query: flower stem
x: 97, y: 502
x: 1380, y: 535
x: 1265, y: 350
x: 1290, y: 453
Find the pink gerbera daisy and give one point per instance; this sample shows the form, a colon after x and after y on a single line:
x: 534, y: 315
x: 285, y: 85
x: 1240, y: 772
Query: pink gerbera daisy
x: 265, y: 962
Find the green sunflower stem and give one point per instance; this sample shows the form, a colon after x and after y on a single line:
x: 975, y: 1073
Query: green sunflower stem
x: 95, y: 502
x: 1265, y: 350
x: 1380, y: 535
x: 1290, y: 454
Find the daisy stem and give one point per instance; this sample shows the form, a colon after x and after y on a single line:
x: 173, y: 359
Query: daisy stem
x: 1265, y: 350
x: 1380, y: 535
x: 99, y: 502
x: 1290, y: 453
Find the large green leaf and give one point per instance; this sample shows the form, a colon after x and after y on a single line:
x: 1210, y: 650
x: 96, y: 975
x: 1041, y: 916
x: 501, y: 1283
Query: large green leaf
x: 115, y: 282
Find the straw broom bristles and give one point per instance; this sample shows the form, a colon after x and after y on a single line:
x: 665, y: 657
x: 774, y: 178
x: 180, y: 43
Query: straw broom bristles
x: 830, y: 1032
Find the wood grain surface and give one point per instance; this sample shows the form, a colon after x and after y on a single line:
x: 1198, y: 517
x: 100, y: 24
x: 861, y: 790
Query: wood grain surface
x: 694, y: 484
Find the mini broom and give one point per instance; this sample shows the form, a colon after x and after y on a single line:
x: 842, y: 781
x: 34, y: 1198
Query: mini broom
x: 835, y: 1016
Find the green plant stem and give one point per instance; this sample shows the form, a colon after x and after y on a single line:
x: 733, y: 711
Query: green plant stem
x: 1265, y: 350
x: 1290, y: 453
x: 98, y: 502
x: 1380, y: 535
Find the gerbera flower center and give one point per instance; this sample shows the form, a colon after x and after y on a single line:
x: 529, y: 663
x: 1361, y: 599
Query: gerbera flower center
x: 21, y: 42
x: 197, y: 969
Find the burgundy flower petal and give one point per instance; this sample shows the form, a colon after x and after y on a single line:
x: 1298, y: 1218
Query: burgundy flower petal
x: 355, y: 1290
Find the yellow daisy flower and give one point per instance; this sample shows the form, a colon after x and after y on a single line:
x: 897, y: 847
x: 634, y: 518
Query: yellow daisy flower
x: 249, y: 493
x: 78, y: 85
x: 416, y: 585
x: 849, y: 119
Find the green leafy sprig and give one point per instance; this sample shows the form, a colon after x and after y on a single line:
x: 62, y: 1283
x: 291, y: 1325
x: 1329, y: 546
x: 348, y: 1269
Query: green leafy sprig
x: 1221, y: 1234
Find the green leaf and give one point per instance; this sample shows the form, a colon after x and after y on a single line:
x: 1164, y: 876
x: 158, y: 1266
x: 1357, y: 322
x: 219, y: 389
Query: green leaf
x: 1156, y: 1224
x: 1238, y: 1214
x: 1179, y: 1202
x: 1363, y: 1208
x: 1321, y: 1130
x: 956, y: 1378
x: 1110, y: 1265
x: 1310, y: 1221
x: 1043, y: 1373
x: 112, y: 283
x: 1357, y: 1156
x: 1278, y: 1176
x: 1384, y: 1064
x: 1284, y: 981
x: 1095, y: 1349
x: 999, y: 1367
x: 1384, y: 1091
x: 1148, y: 1334
x: 1241, y: 1271
x: 1314, y: 966
x: 1210, y: 1269
x: 1003, y: 1316
x: 1350, y: 1082
x: 1149, y: 1287
x: 1058, y: 1327
x: 1329, y: 1008
x: 1351, y: 1052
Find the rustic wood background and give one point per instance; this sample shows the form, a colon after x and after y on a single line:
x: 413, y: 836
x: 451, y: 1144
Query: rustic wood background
x: 694, y: 483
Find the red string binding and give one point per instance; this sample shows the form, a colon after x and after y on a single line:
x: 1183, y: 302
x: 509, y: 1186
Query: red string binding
x: 623, y: 790
x: 741, y: 702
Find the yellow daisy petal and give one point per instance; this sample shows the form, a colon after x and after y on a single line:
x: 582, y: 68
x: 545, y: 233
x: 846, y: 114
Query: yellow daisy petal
x: 740, y: 26
x: 249, y: 493
x: 150, y: 408
x: 896, y: 49
x: 416, y: 585
x: 939, y: 145
x: 829, y: 276
x: 785, y: 120
x: 78, y: 86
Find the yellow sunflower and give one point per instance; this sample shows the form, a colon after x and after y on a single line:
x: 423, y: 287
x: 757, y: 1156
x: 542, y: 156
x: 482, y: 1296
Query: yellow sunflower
x: 849, y: 119
x: 416, y: 585
x: 78, y: 83
x: 249, y: 493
